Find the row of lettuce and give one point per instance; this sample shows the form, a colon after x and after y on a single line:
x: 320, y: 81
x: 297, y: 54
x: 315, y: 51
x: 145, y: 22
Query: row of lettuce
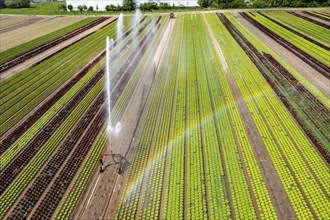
x: 197, y: 161
x: 31, y: 87
x: 309, y: 112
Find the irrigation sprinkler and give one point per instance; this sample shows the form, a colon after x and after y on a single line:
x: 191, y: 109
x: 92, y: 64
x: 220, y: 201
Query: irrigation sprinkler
x: 115, y: 159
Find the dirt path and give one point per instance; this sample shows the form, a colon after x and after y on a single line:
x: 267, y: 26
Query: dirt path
x: 318, y: 80
x: 102, y: 198
x: 280, y: 200
x: 28, y: 63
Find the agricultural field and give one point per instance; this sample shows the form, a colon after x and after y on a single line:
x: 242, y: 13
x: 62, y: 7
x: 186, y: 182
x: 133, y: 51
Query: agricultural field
x: 16, y: 30
x: 218, y: 116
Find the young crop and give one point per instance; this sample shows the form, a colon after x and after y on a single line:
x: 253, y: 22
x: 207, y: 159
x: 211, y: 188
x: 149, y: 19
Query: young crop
x: 11, y: 194
x: 174, y: 191
x: 131, y: 193
x: 273, y: 122
x: 152, y: 195
x: 301, y: 43
x: 51, y: 79
x: 262, y: 47
x: 317, y: 33
x: 20, y: 49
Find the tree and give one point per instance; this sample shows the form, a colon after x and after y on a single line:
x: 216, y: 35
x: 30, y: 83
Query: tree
x: 260, y: 4
x: 148, y: 6
x: 62, y: 7
x: 80, y: 8
x: 129, y: 5
x: 164, y: 6
x: 110, y: 7
x: 70, y: 7
x: 204, y: 3
x: 238, y: 4
x: 90, y: 8
x: 84, y: 8
x: 24, y: 3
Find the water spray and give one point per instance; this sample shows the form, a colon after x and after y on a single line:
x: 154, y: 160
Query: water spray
x: 120, y: 27
x: 117, y: 159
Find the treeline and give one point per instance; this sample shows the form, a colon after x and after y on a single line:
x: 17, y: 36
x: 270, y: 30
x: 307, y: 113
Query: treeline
x: 15, y: 3
x: 223, y: 4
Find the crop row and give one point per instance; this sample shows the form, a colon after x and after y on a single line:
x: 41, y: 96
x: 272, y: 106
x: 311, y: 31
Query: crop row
x: 119, y: 108
x: 20, y: 49
x: 29, y: 172
x: 199, y: 131
x: 310, y: 20
x: 72, y: 198
x: 26, y: 78
x: 42, y: 133
x: 305, y: 27
x: 286, y: 144
x: 236, y: 183
x: 174, y: 180
x: 41, y: 109
x: 195, y: 182
x: 55, y: 193
x: 125, y: 77
x: 315, y: 51
x: 317, y: 102
x: 315, y: 56
x: 311, y: 32
x: 34, y: 192
x: 42, y: 122
x: 74, y: 193
x: 46, y: 46
x: 322, y: 13
x: 318, y: 15
x: 54, y: 102
x: 131, y: 193
x: 22, y: 80
x: 240, y: 167
x: 153, y: 179
x: 263, y: 47
x: 311, y: 114
x: 12, y: 109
